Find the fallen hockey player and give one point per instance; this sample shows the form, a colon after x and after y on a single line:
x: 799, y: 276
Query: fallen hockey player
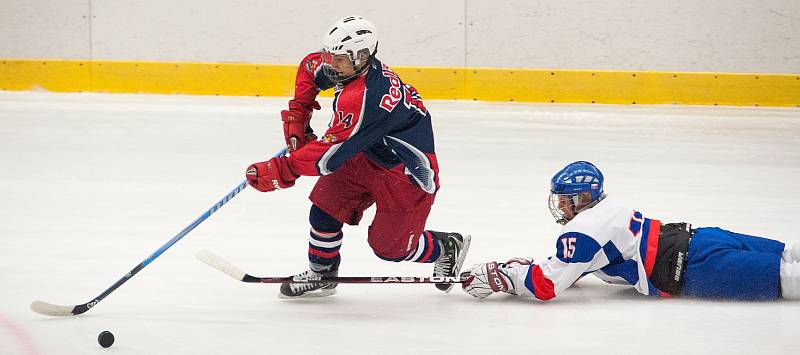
x: 622, y: 246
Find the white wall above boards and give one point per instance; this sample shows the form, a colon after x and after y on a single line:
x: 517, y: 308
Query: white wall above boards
x: 45, y: 29
x: 685, y: 35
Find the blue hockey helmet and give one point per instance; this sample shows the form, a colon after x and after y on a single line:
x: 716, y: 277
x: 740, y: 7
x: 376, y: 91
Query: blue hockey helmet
x: 575, y: 188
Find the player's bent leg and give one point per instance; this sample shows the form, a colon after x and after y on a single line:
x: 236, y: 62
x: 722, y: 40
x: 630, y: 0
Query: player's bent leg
x: 325, y: 239
x: 397, y: 232
x: 446, y: 250
x: 398, y: 236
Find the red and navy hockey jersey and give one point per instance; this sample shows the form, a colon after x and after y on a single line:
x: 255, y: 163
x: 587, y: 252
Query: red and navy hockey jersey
x: 377, y: 115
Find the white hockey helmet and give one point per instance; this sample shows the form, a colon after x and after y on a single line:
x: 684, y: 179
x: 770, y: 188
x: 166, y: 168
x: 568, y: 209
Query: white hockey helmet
x: 355, y: 37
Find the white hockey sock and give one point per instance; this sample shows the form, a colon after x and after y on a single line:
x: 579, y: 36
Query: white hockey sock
x: 790, y: 280
x: 791, y: 254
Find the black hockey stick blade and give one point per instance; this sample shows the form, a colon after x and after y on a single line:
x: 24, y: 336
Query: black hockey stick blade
x: 226, y: 267
x: 54, y: 310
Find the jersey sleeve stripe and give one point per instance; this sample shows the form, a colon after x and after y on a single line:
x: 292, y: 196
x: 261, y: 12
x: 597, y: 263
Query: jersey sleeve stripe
x: 322, y: 164
x: 651, y: 229
x: 422, y: 172
x: 541, y: 287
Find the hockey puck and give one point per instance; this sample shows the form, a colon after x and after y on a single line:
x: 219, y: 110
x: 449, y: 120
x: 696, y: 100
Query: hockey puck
x: 105, y: 338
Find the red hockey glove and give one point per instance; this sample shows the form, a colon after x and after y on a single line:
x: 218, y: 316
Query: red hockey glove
x: 270, y: 175
x: 296, y: 125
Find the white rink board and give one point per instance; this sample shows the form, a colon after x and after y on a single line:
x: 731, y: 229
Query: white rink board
x: 45, y: 29
x: 692, y: 35
x: 93, y: 184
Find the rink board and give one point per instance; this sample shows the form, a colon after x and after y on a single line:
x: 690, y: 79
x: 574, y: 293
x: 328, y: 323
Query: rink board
x: 481, y: 84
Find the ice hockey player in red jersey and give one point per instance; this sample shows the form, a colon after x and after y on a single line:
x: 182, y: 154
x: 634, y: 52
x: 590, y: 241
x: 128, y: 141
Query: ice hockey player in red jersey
x: 621, y: 245
x: 378, y: 149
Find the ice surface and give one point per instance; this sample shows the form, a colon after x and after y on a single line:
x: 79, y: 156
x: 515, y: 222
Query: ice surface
x: 93, y: 184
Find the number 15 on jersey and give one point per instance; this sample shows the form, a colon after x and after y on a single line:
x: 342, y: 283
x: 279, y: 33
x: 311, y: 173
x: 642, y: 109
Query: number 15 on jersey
x: 569, y: 246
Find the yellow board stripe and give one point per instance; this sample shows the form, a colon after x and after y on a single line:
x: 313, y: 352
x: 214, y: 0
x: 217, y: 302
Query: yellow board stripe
x: 484, y: 84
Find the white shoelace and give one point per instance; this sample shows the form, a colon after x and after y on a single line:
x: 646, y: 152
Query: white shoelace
x: 443, y: 266
x: 306, y: 275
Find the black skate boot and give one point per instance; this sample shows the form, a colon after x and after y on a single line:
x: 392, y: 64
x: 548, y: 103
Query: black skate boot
x: 454, y: 250
x: 309, y: 289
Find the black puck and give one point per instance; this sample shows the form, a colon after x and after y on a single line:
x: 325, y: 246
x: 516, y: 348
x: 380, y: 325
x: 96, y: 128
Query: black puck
x: 105, y: 338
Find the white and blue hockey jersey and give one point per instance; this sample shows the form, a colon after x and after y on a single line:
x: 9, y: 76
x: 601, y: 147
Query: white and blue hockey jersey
x: 615, y: 243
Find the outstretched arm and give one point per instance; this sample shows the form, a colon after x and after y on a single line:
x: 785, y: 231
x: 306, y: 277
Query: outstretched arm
x: 576, y: 256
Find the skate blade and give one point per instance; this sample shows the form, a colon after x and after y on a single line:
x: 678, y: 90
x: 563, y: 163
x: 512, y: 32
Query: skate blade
x: 310, y: 294
x: 459, y: 262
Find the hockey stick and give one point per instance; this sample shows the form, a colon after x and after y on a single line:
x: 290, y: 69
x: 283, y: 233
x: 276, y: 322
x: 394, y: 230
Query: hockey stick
x: 223, y: 265
x: 60, y: 311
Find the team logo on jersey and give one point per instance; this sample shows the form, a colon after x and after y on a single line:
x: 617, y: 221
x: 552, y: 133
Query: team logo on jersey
x: 414, y: 100
x: 392, y: 98
x: 397, y: 92
x: 311, y: 66
x: 329, y: 138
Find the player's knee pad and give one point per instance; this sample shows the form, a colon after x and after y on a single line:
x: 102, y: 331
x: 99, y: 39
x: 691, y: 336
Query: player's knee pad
x: 322, y: 221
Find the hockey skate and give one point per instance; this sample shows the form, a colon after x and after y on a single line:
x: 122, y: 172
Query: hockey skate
x: 454, y: 251
x: 291, y: 290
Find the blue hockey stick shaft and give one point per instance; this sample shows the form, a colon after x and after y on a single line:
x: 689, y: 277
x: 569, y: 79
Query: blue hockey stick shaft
x: 55, y: 310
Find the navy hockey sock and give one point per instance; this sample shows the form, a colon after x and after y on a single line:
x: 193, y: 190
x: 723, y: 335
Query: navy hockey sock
x: 323, y: 250
x: 324, y: 241
x: 428, y: 249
